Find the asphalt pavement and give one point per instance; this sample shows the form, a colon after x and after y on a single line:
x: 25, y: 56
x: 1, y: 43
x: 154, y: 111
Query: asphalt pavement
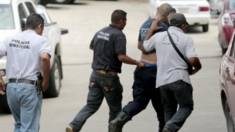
x: 86, y: 17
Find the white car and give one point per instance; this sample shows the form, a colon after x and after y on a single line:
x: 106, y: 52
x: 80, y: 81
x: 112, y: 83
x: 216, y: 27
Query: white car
x: 197, y: 12
x: 13, y: 14
x: 44, y: 2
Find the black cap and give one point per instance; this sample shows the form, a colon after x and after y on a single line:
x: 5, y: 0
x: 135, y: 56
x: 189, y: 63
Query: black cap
x: 178, y: 19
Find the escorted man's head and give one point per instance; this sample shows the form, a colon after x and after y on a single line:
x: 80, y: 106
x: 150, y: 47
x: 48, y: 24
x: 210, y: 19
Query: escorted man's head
x: 118, y: 19
x: 36, y: 23
x: 179, y: 20
x: 164, y: 10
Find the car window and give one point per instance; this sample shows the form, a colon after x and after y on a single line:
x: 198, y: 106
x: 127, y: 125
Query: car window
x: 22, y: 11
x: 231, y: 4
x: 30, y: 7
x: 6, y: 17
x: 22, y: 14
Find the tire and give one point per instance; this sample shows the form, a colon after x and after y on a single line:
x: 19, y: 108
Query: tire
x: 54, y: 80
x: 205, y: 28
x: 3, y: 105
x: 69, y: 1
x: 223, y: 50
x: 43, y: 2
x: 229, y: 120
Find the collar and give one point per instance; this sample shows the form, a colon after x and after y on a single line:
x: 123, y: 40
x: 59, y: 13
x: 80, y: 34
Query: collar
x: 30, y: 31
x: 113, y: 26
x: 175, y: 28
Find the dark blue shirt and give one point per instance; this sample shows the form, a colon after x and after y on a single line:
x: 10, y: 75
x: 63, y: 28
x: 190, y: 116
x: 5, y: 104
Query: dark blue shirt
x: 163, y: 26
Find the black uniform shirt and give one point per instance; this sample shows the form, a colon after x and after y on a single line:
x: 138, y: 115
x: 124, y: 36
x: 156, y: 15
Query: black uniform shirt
x: 107, y: 44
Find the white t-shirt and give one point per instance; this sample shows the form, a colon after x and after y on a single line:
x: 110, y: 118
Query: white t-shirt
x: 23, y: 52
x: 170, y: 66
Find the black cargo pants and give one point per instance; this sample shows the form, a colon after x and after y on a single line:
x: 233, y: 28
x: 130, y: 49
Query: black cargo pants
x: 101, y: 86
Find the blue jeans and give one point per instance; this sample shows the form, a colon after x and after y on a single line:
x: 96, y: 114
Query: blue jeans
x: 25, y: 104
x: 100, y: 87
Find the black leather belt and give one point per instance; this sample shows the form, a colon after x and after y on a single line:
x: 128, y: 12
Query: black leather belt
x: 106, y: 72
x: 27, y: 81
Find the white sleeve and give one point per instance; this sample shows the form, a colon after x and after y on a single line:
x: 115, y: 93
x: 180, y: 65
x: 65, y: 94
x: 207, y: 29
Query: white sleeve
x: 45, y: 47
x: 190, y: 50
x: 149, y: 44
x: 3, y: 47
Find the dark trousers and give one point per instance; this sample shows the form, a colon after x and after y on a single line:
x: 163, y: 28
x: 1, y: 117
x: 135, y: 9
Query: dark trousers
x: 178, y: 103
x: 143, y: 91
x: 101, y: 86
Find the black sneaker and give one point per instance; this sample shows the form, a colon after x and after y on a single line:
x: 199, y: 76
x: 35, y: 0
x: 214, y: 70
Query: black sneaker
x: 166, y: 130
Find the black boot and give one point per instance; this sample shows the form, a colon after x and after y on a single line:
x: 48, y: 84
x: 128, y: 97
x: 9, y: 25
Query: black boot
x: 117, y: 124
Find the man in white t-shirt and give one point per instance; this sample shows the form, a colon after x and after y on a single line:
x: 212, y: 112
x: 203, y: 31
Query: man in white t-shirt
x: 172, y: 76
x: 28, y: 53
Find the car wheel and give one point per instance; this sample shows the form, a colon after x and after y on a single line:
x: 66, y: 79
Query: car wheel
x: 205, y: 28
x: 43, y: 2
x: 68, y: 1
x: 223, y: 50
x: 54, y: 80
x: 229, y: 120
x: 3, y: 104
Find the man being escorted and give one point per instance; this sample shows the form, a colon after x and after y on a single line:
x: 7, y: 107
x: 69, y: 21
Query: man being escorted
x: 172, y: 75
x: 144, y: 86
x: 28, y: 53
x: 109, y: 46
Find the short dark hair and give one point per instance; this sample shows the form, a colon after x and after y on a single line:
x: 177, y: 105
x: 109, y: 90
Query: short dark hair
x: 118, y: 15
x: 33, y: 21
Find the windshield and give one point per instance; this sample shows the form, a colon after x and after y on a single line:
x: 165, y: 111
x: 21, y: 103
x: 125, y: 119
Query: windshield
x: 232, y: 4
x: 6, y: 17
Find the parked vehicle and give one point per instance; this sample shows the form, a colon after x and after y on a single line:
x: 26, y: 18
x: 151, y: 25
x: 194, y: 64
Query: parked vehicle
x: 216, y: 8
x: 196, y: 11
x: 45, y: 2
x: 13, y: 16
x: 227, y: 85
x: 226, y: 24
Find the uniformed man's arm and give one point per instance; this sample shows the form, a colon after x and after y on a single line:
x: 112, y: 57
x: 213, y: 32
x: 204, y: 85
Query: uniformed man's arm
x: 128, y: 60
x: 92, y: 44
x: 120, y: 50
x: 2, y: 86
x: 3, y: 49
x: 45, y: 55
x: 45, y: 61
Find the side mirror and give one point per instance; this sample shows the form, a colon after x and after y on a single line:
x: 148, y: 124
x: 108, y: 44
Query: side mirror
x: 64, y: 31
x: 23, y: 23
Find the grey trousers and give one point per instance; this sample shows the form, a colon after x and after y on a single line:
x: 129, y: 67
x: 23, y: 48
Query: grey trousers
x: 101, y: 86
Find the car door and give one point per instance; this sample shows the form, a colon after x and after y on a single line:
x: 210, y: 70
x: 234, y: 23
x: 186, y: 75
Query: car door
x: 22, y: 15
x: 229, y: 76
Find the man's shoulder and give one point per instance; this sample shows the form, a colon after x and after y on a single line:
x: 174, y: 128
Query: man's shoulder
x: 111, y: 30
x: 146, y: 24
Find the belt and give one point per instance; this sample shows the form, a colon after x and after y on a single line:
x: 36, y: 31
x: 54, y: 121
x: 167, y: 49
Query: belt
x: 27, y: 81
x: 106, y: 72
